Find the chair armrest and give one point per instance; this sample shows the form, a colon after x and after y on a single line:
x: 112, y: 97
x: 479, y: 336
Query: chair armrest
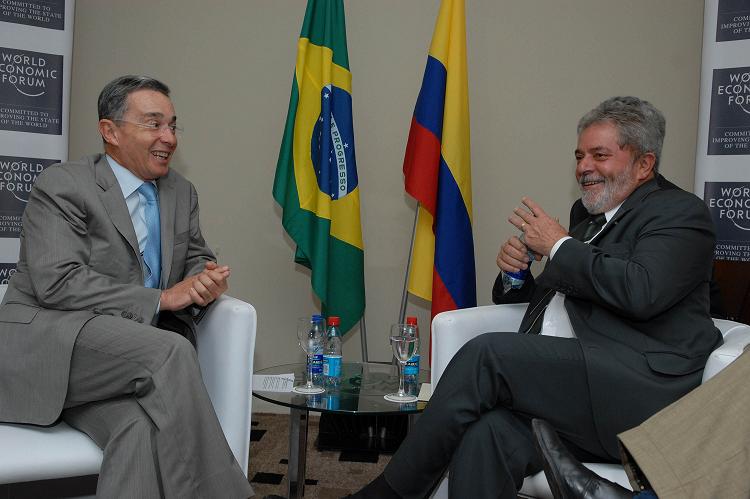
x: 451, y: 330
x: 226, y: 345
x: 736, y: 338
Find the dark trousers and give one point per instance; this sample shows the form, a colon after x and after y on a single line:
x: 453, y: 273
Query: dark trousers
x: 477, y: 423
x: 137, y: 391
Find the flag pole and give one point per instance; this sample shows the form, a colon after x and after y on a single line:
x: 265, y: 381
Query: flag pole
x: 363, y: 338
x: 404, y: 294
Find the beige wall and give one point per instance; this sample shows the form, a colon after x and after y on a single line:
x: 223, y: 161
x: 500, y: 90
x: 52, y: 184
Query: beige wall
x: 534, y: 68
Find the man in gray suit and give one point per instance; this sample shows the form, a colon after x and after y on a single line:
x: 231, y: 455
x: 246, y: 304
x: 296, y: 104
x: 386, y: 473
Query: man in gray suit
x: 617, y: 325
x: 97, y: 320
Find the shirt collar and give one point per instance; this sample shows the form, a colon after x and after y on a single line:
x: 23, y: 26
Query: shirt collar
x: 611, y: 213
x: 129, y: 183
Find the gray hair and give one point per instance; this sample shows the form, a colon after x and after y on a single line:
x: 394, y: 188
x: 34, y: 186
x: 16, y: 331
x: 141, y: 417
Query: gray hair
x: 113, y: 100
x: 639, y: 124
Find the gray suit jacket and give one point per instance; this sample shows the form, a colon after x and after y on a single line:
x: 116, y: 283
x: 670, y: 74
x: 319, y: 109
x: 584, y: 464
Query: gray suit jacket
x: 638, y: 301
x: 79, y: 258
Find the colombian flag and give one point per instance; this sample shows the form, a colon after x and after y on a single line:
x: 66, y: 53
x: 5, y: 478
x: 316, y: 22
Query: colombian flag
x: 316, y: 174
x: 437, y: 171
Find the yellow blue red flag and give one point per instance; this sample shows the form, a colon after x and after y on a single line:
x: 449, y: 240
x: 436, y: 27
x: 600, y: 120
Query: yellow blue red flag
x: 437, y: 171
x: 316, y: 180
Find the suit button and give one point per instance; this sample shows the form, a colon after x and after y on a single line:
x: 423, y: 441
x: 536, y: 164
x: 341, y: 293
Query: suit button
x: 124, y: 314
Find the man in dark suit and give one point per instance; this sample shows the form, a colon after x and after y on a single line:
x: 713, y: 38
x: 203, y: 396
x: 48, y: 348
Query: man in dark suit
x: 111, y: 257
x: 617, y: 327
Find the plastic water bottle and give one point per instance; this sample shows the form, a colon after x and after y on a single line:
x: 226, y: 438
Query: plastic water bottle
x: 515, y: 280
x: 318, y: 324
x: 411, y: 369
x: 333, y: 397
x: 332, y: 353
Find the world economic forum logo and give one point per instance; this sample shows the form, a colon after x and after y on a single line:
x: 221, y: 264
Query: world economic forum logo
x: 29, y: 73
x: 17, y: 177
x: 7, y: 269
x: 31, y: 88
x: 729, y: 122
x: 729, y: 204
x: 332, y: 146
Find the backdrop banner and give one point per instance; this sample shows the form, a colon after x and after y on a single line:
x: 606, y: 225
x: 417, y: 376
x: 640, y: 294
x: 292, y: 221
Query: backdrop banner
x: 36, y: 46
x: 722, y: 173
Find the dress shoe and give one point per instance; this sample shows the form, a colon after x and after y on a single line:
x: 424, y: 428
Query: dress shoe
x: 567, y: 477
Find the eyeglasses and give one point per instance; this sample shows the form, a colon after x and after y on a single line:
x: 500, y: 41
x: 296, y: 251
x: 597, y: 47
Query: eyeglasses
x: 155, y: 126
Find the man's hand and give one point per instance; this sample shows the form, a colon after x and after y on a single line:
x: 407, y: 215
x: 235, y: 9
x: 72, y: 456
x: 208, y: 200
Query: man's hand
x: 514, y: 256
x: 540, y: 231
x: 200, y: 289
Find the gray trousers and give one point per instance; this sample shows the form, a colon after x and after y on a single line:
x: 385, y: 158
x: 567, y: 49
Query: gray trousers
x: 137, y: 392
x: 477, y: 423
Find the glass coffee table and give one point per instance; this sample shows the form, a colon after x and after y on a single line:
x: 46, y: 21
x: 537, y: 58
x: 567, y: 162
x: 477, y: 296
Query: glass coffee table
x: 360, y: 392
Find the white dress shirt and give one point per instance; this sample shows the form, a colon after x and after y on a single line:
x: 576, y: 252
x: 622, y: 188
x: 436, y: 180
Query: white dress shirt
x: 556, y: 321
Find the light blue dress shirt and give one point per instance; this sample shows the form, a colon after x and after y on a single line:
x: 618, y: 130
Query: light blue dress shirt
x: 136, y: 202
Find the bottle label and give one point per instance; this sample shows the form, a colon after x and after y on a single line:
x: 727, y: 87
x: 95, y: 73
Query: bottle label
x: 317, y: 363
x: 412, y: 366
x: 332, y: 365
x: 514, y: 280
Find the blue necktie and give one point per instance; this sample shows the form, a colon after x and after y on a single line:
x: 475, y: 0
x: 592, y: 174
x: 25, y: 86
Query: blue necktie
x: 152, y: 252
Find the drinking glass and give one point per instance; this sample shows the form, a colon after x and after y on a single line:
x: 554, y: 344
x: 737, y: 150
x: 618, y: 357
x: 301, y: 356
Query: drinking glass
x: 404, y: 347
x: 311, y: 340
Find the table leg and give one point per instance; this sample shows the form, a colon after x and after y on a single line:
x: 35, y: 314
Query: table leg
x: 297, y: 453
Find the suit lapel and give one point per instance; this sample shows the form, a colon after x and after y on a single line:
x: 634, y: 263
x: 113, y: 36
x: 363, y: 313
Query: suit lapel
x: 631, y: 202
x: 167, y: 207
x: 114, y: 203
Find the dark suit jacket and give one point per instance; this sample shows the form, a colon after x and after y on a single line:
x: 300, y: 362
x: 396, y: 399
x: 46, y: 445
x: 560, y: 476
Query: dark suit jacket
x: 79, y: 258
x: 638, y: 301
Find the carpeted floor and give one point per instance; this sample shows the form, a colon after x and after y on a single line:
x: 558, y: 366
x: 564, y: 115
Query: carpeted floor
x: 330, y: 474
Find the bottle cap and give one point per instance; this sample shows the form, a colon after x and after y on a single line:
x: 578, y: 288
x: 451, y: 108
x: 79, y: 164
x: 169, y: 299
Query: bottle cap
x: 334, y: 320
x: 411, y: 321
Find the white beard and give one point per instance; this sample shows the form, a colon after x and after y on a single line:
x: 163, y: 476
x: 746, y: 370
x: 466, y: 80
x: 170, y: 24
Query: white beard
x: 615, y: 190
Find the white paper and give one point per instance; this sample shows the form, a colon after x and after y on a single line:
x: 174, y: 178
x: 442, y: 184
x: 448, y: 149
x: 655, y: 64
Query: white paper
x: 273, y: 382
x: 424, y: 392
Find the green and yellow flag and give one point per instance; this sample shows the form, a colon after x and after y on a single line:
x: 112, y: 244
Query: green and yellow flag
x: 316, y: 175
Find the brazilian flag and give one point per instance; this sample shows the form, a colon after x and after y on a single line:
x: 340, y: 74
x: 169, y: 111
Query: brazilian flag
x: 316, y: 175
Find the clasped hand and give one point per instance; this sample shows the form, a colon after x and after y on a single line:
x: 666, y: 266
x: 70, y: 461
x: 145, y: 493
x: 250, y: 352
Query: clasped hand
x: 199, y: 289
x: 540, y: 232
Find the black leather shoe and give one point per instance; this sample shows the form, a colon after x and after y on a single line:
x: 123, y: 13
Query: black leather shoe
x: 567, y: 477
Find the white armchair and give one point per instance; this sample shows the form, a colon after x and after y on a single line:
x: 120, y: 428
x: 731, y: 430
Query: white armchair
x: 451, y: 330
x: 226, y: 344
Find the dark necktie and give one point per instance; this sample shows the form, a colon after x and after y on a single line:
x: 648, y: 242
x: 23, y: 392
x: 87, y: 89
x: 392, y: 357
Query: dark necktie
x: 589, y: 227
x: 152, y: 251
x: 583, y: 232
